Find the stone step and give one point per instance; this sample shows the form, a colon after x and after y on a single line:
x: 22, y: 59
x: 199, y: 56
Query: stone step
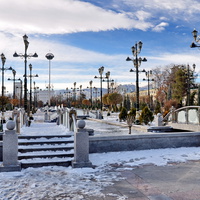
x: 43, y: 136
x: 42, y: 142
x: 29, y: 148
x: 41, y: 163
x: 45, y: 150
x: 49, y: 154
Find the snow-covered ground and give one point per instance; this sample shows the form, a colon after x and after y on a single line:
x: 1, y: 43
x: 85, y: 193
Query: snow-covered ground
x: 48, y: 183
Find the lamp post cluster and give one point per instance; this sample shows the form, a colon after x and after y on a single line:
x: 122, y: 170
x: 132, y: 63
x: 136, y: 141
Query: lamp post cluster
x: 25, y: 56
x: 137, y: 62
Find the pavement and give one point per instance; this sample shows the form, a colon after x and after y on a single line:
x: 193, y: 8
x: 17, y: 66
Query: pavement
x: 177, y: 181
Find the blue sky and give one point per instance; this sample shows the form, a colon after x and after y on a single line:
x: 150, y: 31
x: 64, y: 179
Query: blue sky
x: 85, y: 35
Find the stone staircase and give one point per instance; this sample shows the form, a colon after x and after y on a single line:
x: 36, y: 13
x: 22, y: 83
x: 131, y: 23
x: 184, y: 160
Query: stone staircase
x: 45, y: 150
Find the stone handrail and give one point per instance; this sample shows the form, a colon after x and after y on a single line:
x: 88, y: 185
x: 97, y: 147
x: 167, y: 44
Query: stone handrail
x: 184, y: 115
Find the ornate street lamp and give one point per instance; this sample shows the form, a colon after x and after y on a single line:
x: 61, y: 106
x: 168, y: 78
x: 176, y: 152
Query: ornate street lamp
x: 68, y: 96
x: 108, y: 81
x: 148, y: 75
x: 25, y: 56
x: 3, y: 59
x: 74, y: 91
x: 96, y: 92
x: 137, y: 62
x: 14, y: 74
x: 196, y: 39
x: 49, y: 57
x: 190, y: 77
x: 14, y: 81
x: 35, y: 95
x: 112, y: 86
x: 101, y: 69
x: 31, y: 76
x: 91, y: 92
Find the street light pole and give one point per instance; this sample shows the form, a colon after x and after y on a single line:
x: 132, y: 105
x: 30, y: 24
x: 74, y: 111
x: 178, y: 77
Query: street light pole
x: 14, y: 80
x: 31, y: 76
x: 148, y: 74
x: 25, y: 56
x: 3, y: 59
x: 137, y: 62
x: 190, y: 76
x: 108, y: 81
x: 35, y: 95
x: 49, y: 57
x: 91, y: 92
x: 14, y: 74
x: 101, y: 69
x: 20, y: 92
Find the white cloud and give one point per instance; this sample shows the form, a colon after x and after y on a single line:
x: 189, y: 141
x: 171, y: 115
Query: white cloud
x: 60, y: 16
x: 160, y: 27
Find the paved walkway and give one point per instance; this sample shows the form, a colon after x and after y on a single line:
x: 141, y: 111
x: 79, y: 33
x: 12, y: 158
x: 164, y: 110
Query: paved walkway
x: 174, y: 182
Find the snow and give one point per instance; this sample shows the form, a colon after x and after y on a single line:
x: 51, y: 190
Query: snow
x: 76, y: 184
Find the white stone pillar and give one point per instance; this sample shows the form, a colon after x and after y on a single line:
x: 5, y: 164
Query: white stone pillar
x: 81, y: 147
x: 10, y: 150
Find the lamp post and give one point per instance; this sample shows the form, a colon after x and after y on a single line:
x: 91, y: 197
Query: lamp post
x: 14, y: 81
x: 148, y: 75
x: 49, y: 57
x: 35, y: 95
x: 196, y: 39
x: 91, y: 92
x: 68, y: 96
x: 101, y: 69
x: 108, y: 81
x: 112, y: 86
x: 31, y: 76
x: 21, y: 87
x: 74, y: 91
x: 96, y: 92
x: 189, y: 73
x: 137, y: 62
x: 14, y: 74
x: 3, y: 59
x: 25, y: 56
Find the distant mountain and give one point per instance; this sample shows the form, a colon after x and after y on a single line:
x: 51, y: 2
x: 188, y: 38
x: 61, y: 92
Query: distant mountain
x: 122, y: 89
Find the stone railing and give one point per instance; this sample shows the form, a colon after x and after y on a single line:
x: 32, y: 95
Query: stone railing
x: 67, y: 117
x: 187, y: 118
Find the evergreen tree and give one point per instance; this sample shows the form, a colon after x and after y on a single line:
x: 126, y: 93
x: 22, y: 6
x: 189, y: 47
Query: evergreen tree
x: 123, y: 114
x: 146, y: 116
